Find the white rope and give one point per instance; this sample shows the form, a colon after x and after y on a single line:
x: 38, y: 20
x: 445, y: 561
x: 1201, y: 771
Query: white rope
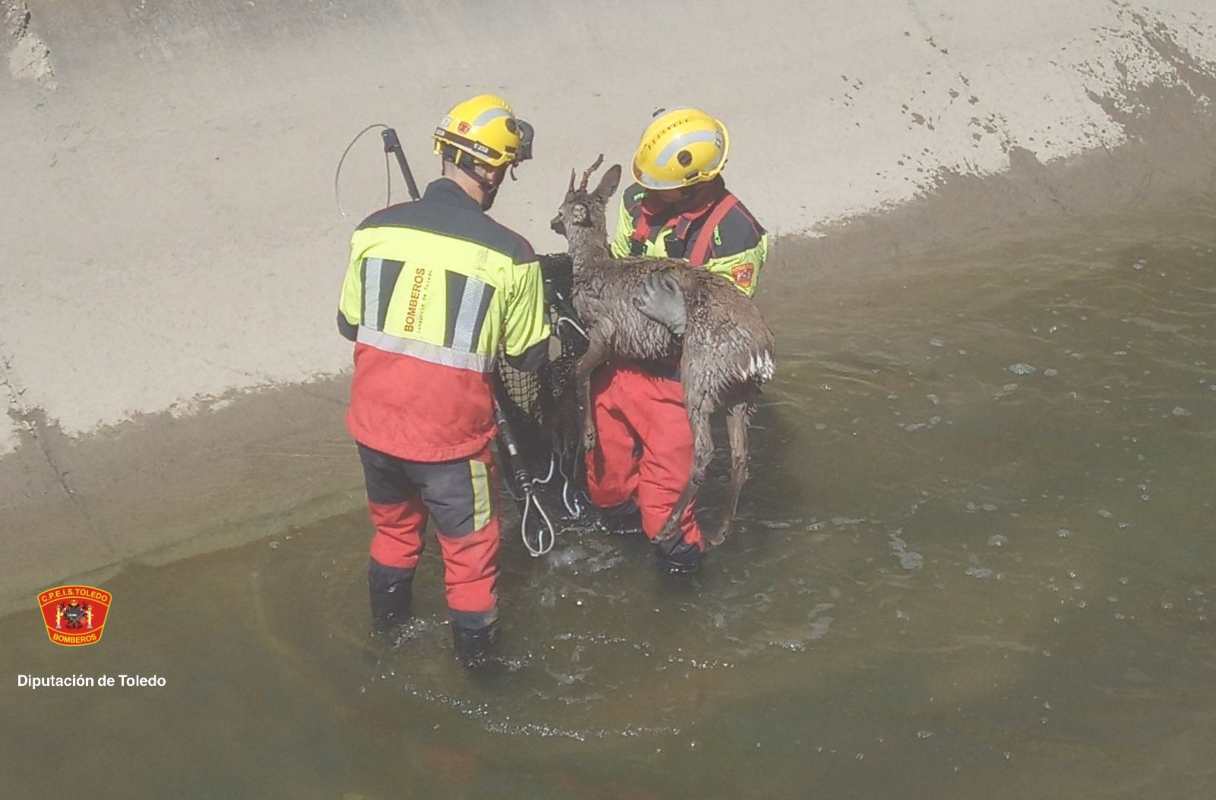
x: 574, y: 325
x: 573, y: 507
x: 545, y: 480
x: 544, y: 543
x: 569, y: 500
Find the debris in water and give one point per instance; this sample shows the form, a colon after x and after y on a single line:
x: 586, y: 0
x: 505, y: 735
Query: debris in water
x: 997, y: 540
x: 908, y: 559
x: 1022, y: 369
x: 922, y: 426
x: 983, y: 573
x: 1179, y: 411
x: 819, y: 628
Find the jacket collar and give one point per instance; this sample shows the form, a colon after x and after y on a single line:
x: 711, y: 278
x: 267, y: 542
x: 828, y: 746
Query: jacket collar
x: 700, y: 203
x: 449, y: 193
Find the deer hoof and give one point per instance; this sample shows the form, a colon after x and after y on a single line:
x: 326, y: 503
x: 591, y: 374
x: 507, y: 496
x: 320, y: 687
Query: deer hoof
x: 588, y: 441
x: 719, y: 537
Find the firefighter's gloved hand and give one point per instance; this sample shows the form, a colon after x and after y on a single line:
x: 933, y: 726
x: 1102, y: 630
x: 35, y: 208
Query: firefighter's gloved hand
x: 662, y: 300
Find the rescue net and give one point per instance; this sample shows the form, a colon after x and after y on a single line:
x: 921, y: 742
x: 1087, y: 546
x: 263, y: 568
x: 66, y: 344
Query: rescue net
x: 540, y: 412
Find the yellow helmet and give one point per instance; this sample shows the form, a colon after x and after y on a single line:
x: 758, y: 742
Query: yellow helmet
x: 486, y: 129
x: 680, y: 148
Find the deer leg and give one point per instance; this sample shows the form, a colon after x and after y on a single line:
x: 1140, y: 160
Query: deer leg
x: 702, y: 454
x: 737, y: 417
x: 596, y: 354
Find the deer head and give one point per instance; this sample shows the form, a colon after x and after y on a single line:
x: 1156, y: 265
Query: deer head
x: 581, y: 216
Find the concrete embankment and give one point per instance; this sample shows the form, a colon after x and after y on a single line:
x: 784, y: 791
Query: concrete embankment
x: 172, y: 249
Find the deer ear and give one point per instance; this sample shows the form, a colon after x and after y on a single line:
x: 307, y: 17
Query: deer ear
x: 578, y: 214
x: 608, y: 183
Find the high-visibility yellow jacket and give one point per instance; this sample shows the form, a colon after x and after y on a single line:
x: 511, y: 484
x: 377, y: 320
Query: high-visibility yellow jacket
x: 433, y: 290
x: 721, y: 235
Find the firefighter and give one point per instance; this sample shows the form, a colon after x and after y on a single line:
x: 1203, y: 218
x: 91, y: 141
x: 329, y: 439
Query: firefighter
x: 433, y: 290
x: 679, y: 207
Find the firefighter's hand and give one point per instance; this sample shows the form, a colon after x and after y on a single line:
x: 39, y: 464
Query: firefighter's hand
x: 662, y: 300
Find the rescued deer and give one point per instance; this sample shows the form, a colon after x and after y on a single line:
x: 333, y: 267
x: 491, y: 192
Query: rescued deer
x: 724, y: 356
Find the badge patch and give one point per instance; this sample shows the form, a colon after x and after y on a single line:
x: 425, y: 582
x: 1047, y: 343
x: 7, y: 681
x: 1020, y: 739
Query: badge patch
x: 743, y: 275
x: 74, y: 616
x: 463, y: 127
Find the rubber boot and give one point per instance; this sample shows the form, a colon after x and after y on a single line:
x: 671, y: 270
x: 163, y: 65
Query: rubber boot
x: 472, y: 644
x: 390, y: 590
x: 680, y: 558
x: 624, y: 519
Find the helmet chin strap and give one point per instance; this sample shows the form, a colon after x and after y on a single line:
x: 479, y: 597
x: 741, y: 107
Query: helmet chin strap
x: 489, y: 188
x: 488, y: 198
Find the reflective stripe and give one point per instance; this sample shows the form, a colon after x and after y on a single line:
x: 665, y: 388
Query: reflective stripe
x: 654, y: 183
x: 481, y: 494
x: 489, y: 114
x: 371, y: 290
x: 431, y: 353
x: 466, y: 317
x: 689, y: 138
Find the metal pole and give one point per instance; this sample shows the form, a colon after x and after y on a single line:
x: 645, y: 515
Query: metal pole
x: 393, y: 145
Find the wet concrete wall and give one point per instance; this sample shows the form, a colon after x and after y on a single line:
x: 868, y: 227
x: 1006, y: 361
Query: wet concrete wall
x: 173, y: 249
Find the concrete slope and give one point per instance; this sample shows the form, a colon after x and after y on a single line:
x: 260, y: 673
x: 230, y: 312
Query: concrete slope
x: 174, y: 233
x: 169, y: 226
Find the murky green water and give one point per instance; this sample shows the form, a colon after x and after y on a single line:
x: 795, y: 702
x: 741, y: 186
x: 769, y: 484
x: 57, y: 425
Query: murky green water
x: 975, y: 559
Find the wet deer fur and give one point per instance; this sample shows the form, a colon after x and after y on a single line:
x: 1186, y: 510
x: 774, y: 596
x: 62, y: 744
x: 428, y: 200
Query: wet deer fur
x: 726, y: 351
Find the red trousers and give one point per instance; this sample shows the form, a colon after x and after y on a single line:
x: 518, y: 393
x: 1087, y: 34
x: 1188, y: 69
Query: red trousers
x: 644, y: 447
x: 402, y: 495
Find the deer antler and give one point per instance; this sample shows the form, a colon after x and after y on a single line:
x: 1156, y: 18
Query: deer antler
x: 582, y: 186
x: 571, y: 189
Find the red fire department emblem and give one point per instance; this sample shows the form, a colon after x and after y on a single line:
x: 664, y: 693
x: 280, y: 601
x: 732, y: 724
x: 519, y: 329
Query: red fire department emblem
x: 743, y: 274
x: 463, y: 127
x: 74, y: 615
